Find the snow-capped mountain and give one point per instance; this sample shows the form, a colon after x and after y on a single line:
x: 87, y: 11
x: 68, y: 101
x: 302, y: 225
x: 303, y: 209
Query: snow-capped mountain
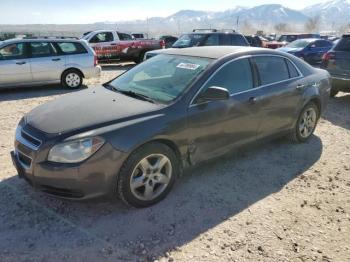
x: 331, y: 13
x: 334, y: 15
x: 272, y: 14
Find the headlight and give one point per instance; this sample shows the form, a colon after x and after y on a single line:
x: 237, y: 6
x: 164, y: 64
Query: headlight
x: 75, y: 151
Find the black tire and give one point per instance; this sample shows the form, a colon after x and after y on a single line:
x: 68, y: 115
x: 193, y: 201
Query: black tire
x: 139, y: 59
x: 334, y: 92
x: 296, y: 133
x: 74, y: 83
x: 124, y: 177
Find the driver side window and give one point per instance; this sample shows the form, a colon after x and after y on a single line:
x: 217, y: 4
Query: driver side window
x: 236, y: 77
x: 102, y: 37
x: 13, y: 51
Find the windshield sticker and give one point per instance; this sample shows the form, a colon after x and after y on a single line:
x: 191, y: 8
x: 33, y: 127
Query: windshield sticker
x: 188, y: 66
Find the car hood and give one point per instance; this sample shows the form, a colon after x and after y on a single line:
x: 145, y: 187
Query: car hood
x: 289, y: 49
x: 88, y: 109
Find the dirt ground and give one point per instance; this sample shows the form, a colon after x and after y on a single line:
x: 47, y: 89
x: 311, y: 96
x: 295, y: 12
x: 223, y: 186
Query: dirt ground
x: 275, y: 202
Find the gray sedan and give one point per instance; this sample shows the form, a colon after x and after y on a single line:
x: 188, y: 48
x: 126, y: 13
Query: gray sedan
x: 134, y: 135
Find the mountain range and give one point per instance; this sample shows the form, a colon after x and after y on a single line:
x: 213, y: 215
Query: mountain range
x: 327, y: 16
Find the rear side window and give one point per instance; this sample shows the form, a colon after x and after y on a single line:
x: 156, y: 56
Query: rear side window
x: 238, y: 40
x: 69, y: 48
x: 322, y: 44
x: 42, y: 49
x: 13, y: 51
x: 235, y: 40
x: 343, y: 44
x: 124, y: 37
x: 212, y: 40
x: 271, y: 69
x: 293, y: 72
x: 235, y: 77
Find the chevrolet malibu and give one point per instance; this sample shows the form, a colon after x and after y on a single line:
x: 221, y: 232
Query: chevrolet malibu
x: 133, y: 136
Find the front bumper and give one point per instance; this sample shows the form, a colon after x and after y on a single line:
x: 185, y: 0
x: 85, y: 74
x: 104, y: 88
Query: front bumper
x: 94, y: 177
x: 340, y: 83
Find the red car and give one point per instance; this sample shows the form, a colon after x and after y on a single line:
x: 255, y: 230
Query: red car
x: 288, y: 38
x: 111, y: 45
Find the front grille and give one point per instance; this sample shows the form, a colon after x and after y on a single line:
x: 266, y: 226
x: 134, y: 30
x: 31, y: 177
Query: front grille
x: 32, y: 140
x: 27, y: 161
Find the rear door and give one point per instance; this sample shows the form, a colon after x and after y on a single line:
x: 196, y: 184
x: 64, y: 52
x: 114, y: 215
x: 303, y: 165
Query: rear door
x: 217, y: 126
x: 317, y: 50
x: 281, y: 93
x: 14, y: 65
x: 341, y: 65
x: 46, y: 62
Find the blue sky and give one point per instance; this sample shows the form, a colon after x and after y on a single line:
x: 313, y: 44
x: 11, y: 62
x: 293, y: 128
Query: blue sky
x: 89, y: 11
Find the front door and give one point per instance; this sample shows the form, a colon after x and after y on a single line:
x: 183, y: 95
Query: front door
x: 14, y: 65
x: 217, y: 126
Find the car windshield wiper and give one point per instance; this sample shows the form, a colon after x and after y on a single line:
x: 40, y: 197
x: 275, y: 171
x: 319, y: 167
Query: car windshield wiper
x: 134, y: 95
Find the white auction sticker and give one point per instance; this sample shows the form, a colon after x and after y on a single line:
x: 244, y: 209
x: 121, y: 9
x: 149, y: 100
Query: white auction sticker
x: 188, y: 66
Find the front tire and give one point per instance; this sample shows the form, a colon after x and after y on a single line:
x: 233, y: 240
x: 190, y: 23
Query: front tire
x: 72, y: 79
x: 306, y: 124
x: 148, y: 175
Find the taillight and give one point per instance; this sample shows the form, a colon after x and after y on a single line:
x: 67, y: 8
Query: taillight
x: 162, y: 44
x: 328, y: 56
x: 95, y: 60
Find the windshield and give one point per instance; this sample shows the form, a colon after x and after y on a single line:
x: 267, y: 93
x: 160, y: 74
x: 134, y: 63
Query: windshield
x: 287, y: 38
x: 298, y: 44
x: 162, y: 78
x: 189, y: 40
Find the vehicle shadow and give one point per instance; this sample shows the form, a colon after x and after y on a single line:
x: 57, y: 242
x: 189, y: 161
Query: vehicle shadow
x: 116, y: 67
x: 338, y: 111
x: 35, y: 92
x: 203, y: 198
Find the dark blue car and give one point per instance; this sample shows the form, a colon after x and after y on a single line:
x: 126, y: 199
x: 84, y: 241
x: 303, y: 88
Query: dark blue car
x: 311, y: 50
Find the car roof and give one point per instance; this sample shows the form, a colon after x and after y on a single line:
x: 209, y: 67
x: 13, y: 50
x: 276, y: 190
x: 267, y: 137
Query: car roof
x: 26, y: 40
x: 213, y: 52
x: 311, y: 39
x: 213, y: 33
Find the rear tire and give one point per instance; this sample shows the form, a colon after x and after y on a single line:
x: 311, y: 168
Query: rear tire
x: 306, y: 124
x: 153, y: 167
x: 139, y: 59
x: 72, y: 79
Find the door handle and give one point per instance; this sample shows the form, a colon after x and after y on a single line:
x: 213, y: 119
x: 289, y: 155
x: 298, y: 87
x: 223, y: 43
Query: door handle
x: 113, y: 44
x: 253, y: 100
x: 301, y: 86
x: 21, y: 63
x: 56, y: 59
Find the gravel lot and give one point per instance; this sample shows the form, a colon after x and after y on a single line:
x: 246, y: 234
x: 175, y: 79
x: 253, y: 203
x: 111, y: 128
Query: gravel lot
x: 275, y: 202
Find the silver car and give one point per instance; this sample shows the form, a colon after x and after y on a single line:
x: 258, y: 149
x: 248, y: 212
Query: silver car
x: 29, y: 62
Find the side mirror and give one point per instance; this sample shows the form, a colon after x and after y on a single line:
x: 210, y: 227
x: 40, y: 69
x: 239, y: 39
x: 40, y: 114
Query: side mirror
x: 213, y: 93
x: 312, y: 46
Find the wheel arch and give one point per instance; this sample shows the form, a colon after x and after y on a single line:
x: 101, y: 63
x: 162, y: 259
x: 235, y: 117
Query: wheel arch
x: 73, y: 68
x: 171, y: 144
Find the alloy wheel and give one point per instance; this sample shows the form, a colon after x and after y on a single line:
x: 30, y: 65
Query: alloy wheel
x: 308, y: 122
x: 151, y: 177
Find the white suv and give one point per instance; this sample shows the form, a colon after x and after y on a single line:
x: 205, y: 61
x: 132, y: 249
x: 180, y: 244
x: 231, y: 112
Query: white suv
x: 29, y: 62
